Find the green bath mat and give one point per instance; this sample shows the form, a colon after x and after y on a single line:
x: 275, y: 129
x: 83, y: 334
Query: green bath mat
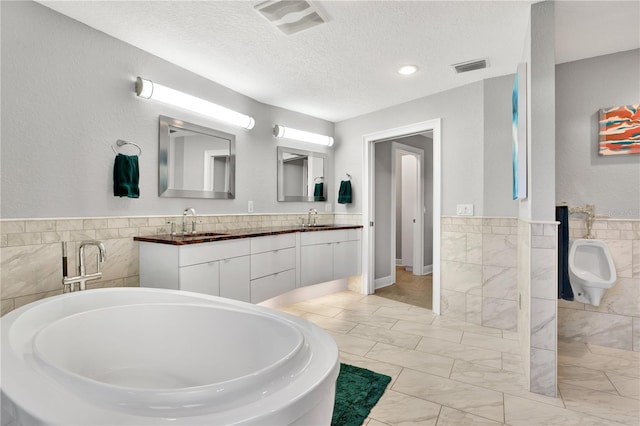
x: 357, y: 391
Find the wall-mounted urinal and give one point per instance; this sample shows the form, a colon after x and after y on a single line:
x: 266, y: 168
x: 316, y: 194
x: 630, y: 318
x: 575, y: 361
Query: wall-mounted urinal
x: 591, y: 270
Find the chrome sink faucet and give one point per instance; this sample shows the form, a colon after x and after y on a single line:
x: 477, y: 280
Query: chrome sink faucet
x: 315, y: 217
x: 190, y: 211
x: 69, y: 283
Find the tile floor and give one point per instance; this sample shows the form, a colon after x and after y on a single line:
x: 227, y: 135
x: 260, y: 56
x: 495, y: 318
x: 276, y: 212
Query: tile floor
x: 416, y: 290
x: 448, y: 372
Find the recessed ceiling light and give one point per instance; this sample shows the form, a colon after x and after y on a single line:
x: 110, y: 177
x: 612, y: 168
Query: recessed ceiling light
x: 407, y: 69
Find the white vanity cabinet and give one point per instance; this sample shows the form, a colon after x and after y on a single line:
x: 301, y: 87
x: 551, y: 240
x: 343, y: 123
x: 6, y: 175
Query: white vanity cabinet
x: 253, y: 268
x: 218, y: 268
x: 273, y: 266
x: 329, y: 255
x: 201, y: 278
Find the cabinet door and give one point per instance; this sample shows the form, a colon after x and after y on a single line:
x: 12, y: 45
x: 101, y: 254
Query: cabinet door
x: 201, y: 278
x: 346, y: 259
x: 316, y: 264
x: 234, y: 278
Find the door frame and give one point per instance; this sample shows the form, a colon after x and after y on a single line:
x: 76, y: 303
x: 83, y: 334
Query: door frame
x: 368, y: 261
x: 398, y: 149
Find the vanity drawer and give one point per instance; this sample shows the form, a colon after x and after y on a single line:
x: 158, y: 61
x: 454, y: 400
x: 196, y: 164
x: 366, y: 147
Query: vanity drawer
x: 206, y: 252
x: 272, y: 262
x: 323, y: 237
x: 272, y: 242
x: 272, y: 285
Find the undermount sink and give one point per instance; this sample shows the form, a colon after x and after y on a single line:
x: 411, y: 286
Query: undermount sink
x: 202, y: 234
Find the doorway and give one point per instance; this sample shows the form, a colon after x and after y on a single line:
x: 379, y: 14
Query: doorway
x: 403, y: 205
x: 411, y: 195
x: 370, y: 230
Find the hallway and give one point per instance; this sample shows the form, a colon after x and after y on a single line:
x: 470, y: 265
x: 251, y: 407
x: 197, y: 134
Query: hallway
x: 416, y: 290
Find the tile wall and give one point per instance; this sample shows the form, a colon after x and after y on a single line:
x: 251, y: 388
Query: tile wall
x: 524, y: 296
x: 31, y: 250
x: 538, y: 292
x: 479, y: 270
x: 616, y: 322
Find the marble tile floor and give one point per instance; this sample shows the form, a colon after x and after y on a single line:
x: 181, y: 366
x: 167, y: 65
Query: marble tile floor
x: 449, y: 372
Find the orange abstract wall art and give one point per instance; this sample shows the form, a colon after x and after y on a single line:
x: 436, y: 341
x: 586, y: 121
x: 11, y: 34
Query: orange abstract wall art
x: 619, y: 130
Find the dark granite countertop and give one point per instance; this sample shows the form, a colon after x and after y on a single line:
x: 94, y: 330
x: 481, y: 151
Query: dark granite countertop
x: 207, y: 237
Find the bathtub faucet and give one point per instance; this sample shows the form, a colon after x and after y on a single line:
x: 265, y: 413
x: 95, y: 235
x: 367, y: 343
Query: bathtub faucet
x: 69, y: 283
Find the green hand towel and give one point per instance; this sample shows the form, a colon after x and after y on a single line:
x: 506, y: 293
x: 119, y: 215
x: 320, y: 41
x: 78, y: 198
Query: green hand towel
x: 344, y: 194
x: 318, y: 191
x: 126, y: 176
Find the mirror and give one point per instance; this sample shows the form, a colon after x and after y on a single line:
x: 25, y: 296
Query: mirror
x: 195, y: 161
x: 301, y: 175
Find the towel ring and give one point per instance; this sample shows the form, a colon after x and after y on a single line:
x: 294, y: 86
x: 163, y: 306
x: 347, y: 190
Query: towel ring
x: 120, y: 142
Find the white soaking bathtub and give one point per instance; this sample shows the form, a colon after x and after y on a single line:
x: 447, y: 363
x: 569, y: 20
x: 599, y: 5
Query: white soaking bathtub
x: 142, y: 356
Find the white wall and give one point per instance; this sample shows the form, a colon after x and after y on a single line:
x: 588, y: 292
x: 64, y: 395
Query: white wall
x: 497, y: 148
x: 476, y: 160
x: 408, y: 170
x: 539, y: 54
x: 582, y: 176
x: 382, y: 230
x: 398, y: 209
x: 461, y: 110
x: 67, y: 96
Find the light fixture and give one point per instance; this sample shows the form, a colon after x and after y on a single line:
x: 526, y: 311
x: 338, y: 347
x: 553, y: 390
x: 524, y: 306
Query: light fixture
x: 407, y: 69
x: 300, y: 135
x: 149, y: 90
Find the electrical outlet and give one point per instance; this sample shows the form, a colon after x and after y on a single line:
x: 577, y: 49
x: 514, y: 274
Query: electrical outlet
x: 464, y: 209
x: 249, y: 206
x: 327, y: 207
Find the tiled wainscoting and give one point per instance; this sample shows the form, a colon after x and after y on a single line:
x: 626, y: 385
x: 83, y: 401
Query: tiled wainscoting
x: 478, y: 270
x: 488, y: 264
x: 616, y: 322
x: 537, y: 300
x: 31, y: 250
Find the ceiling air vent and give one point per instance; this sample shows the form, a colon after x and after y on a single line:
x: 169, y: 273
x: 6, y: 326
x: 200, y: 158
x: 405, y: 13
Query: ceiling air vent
x: 290, y: 16
x: 469, y: 66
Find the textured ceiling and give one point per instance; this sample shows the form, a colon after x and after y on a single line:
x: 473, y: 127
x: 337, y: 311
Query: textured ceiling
x: 347, y: 67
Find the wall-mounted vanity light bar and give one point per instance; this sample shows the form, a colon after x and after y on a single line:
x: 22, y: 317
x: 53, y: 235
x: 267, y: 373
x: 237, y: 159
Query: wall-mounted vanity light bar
x: 149, y: 90
x: 300, y: 135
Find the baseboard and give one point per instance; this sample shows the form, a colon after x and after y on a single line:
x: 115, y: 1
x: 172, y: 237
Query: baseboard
x: 427, y: 269
x: 383, y: 282
x: 398, y: 262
